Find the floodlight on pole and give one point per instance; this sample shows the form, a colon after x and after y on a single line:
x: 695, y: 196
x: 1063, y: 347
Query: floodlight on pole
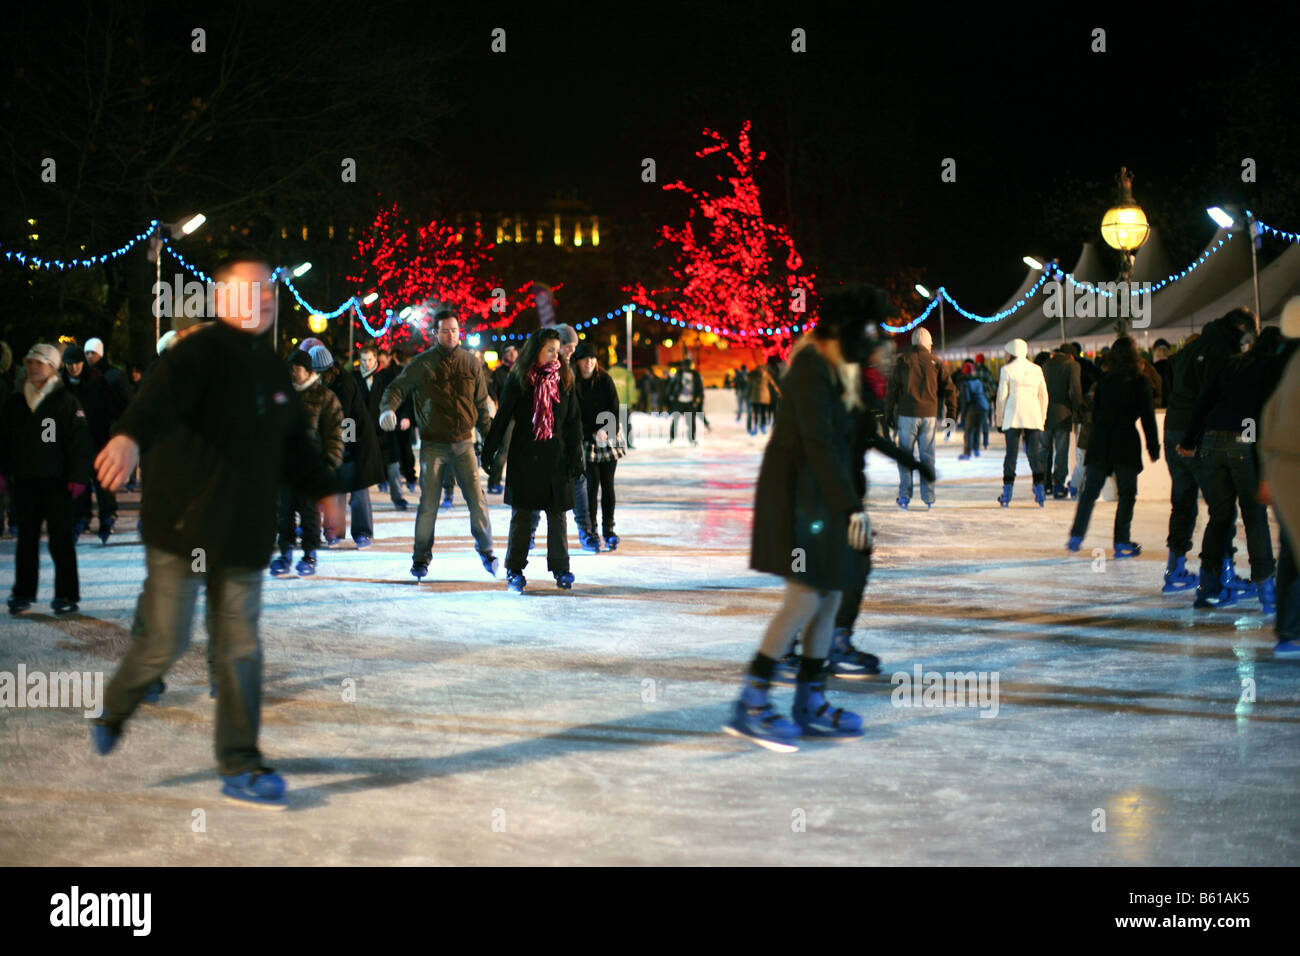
x: 193, y: 223
x: 302, y: 270
x: 370, y: 298
x: 1224, y: 219
x: 922, y: 291
x: 1221, y: 218
x: 1032, y: 263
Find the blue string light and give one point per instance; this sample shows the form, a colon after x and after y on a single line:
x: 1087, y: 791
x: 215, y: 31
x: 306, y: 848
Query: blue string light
x: 64, y: 265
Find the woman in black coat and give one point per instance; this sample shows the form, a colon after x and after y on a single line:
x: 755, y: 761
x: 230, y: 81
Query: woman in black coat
x: 363, y: 461
x: 1122, y: 397
x: 602, y: 442
x: 545, y: 453
x: 809, y: 528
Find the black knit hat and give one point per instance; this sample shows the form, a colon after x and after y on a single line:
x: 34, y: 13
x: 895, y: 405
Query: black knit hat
x: 299, y: 357
x: 584, y: 350
x: 73, y: 354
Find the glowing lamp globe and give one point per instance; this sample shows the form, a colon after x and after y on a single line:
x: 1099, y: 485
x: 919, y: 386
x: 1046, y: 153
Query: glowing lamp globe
x: 317, y: 323
x: 1125, y: 227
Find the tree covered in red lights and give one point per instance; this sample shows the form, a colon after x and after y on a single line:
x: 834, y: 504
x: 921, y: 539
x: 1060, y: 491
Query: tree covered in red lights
x: 425, y: 267
x: 734, y: 272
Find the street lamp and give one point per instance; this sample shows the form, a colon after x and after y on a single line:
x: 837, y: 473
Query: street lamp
x: 924, y: 293
x: 1225, y: 220
x: 1124, y: 227
x: 173, y: 230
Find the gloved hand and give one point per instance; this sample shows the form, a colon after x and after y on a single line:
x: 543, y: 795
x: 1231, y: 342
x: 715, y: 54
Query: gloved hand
x: 927, y: 471
x: 76, y: 489
x: 860, y: 531
x: 388, y: 419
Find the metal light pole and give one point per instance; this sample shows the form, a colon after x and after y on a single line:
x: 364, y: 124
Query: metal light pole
x: 175, y: 231
x: 943, y: 337
x: 628, y: 309
x: 1254, y: 265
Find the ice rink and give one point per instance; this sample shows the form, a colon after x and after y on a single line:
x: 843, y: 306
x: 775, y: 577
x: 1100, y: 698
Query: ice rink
x: 453, y: 722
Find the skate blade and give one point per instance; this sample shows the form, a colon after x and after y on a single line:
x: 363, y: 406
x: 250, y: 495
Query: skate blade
x: 281, y: 804
x: 772, y: 745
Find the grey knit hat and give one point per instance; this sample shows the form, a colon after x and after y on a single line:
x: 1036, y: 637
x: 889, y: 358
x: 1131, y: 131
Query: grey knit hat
x: 320, y: 358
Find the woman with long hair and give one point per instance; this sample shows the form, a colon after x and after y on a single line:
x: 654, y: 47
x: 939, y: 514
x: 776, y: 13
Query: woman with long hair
x: 809, y: 528
x: 545, y: 453
x: 1122, y: 396
x: 602, y: 441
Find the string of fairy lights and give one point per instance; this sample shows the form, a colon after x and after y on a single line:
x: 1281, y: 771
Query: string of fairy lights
x: 354, y: 303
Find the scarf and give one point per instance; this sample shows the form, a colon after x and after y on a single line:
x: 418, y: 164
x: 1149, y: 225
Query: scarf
x: 311, y: 380
x: 545, y: 382
x: 34, y: 396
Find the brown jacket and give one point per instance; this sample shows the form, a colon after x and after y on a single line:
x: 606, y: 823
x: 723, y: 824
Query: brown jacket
x: 449, y: 395
x: 324, y: 421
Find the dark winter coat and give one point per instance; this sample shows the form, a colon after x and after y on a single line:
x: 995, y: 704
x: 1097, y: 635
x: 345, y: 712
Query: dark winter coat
x: 986, y: 379
x: 1194, y: 365
x: 806, y: 492
x: 363, y: 449
x: 1064, y: 390
x: 324, y: 418
x: 676, y: 383
x: 497, y: 382
x: 448, y: 393
x: 1165, y: 369
x: 24, y: 452
x: 100, y: 403
x: 918, y: 387
x: 1235, y: 393
x: 221, y: 428
x: 762, y: 386
x: 389, y: 447
x: 598, y: 399
x: 1119, y: 403
x: 539, y: 474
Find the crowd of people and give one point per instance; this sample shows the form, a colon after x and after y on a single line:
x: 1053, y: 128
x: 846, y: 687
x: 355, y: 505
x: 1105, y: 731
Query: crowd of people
x: 246, y: 459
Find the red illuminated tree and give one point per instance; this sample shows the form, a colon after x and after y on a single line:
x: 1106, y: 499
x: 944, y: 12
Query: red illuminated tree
x: 734, y: 272
x: 425, y: 267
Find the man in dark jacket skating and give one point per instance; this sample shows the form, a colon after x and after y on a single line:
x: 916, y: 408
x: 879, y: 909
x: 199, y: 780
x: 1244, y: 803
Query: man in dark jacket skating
x: 1064, y: 398
x: 220, y: 426
x: 920, y: 390
x: 45, y: 453
x: 449, y: 394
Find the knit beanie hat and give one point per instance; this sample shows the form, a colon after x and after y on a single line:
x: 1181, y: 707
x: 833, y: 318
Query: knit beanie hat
x: 567, y: 335
x: 309, y: 343
x: 45, y: 353
x: 73, y: 354
x: 299, y: 357
x: 94, y: 345
x: 321, y: 358
x: 923, y: 338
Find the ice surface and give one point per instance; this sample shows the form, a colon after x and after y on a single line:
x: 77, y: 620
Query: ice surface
x: 584, y: 727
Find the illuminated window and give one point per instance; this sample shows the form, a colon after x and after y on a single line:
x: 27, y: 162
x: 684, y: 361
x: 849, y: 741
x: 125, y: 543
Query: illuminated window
x: 331, y: 232
x: 284, y: 233
x: 595, y: 230
x: 304, y: 233
x: 577, y: 233
x: 559, y: 239
x: 541, y: 234
x: 519, y: 230
x: 500, y: 234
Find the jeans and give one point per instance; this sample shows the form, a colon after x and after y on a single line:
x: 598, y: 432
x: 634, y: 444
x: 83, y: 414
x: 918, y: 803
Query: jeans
x: 522, y: 525
x: 44, y: 500
x: 362, y: 520
x: 742, y: 404
x: 434, y: 457
x: 1126, y: 485
x: 395, y: 482
x: 916, y: 435
x: 758, y: 416
x: 1076, y: 476
x: 600, y: 480
x: 976, y: 416
x: 160, y: 634
x: 1032, y: 443
x: 1054, y: 455
x: 1231, y: 477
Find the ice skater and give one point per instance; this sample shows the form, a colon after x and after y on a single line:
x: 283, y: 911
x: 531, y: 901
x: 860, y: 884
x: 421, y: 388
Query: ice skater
x: 545, y: 454
x: 220, y: 427
x: 1021, y: 413
x: 809, y: 528
x: 1122, y: 397
x: 601, y: 438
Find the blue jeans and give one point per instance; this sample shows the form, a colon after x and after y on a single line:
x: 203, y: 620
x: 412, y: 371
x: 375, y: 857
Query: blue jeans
x: 1054, y: 455
x: 434, y: 458
x: 362, y: 520
x: 1032, y: 440
x: 914, y: 432
x: 160, y: 634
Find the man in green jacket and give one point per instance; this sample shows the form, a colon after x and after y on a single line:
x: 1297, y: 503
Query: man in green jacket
x: 450, y: 397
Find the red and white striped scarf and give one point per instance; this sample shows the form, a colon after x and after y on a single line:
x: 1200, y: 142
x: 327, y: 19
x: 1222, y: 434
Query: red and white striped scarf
x: 545, y: 380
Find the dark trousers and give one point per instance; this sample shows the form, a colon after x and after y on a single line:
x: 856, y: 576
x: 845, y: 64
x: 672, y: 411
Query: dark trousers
x: 600, y: 481
x: 497, y: 467
x: 1032, y: 443
x: 164, y: 619
x: 1231, y: 477
x: 362, y: 517
x: 682, y: 410
x: 758, y: 416
x: 974, y: 424
x: 1288, y: 590
x: 1126, y: 485
x: 104, y: 504
x: 1054, y: 454
x: 522, y: 523
x: 847, y: 614
x: 1187, y: 483
x: 305, y: 508
x: 45, y: 501
x: 406, y: 454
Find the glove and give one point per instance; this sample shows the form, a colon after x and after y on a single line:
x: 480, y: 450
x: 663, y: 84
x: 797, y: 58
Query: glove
x: 76, y: 490
x: 860, y: 531
x: 927, y: 471
x: 388, y: 419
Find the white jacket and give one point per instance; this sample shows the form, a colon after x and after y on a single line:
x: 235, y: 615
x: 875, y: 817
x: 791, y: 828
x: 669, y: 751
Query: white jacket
x: 1022, y: 396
